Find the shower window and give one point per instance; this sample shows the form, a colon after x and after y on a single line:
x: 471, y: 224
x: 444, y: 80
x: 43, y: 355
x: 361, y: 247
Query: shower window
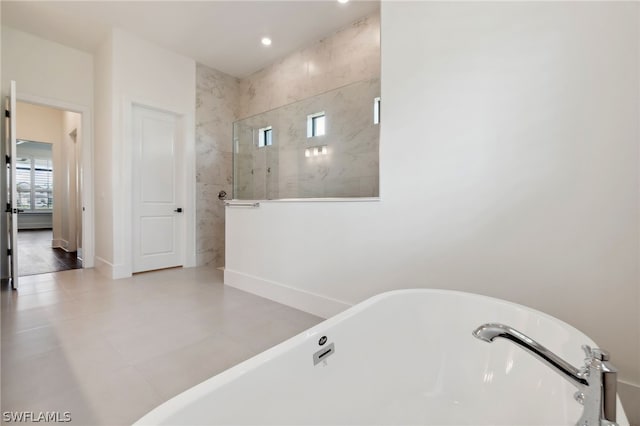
x: 316, y: 124
x: 265, y: 136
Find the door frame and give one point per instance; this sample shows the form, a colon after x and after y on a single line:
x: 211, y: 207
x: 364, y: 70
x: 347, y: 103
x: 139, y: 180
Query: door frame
x: 123, y: 235
x: 88, y: 217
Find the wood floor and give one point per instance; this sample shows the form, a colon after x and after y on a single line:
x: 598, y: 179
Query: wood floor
x: 36, y: 256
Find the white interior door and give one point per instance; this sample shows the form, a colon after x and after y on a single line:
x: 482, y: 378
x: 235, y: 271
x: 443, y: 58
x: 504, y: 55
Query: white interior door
x: 157, y: 175
x: 12, y: 189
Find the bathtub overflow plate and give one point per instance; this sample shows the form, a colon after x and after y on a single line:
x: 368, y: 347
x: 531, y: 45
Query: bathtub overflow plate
x: 323, y: 353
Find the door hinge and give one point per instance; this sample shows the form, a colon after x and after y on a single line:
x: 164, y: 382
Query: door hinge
x: 7, y: 159
x: 7, y: 113
x: 8, y: 210
x: 9, y: 251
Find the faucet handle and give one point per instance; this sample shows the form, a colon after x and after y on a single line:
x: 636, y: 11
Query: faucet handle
x: 600, y: 354
x: 596, y: 353
x: 587, y: 351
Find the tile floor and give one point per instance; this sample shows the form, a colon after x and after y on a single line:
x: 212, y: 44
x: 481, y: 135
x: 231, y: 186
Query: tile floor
x: 110, y: 351
x: 36, y: 256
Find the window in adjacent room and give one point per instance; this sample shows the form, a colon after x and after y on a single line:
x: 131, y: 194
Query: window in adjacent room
x: 34, y: 179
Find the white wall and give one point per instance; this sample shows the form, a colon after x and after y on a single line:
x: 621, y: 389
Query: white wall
x: 509, y: 167
x: 103, y: 149
x: 138, y: 72
x: 52, y: 74
x: 71, y: 139
x: 46, y: 69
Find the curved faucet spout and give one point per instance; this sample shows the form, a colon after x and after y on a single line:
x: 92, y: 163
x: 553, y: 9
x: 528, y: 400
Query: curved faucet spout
x: 596, y: 381
x: 490, y: 332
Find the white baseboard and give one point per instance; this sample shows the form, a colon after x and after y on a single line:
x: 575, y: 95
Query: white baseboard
x: 35, y: 225
x: 312, y: 303
x: 110, y: 270
x: 59, y: 243
x: 103, y: 267
x: 62, y: 244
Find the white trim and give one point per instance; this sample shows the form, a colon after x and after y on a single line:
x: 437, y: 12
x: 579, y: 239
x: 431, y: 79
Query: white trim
x: 123, y: 234
x: 88, y: 217
x: 310, y: 200
x: 104, y: 267
x: 65, y: 246
x: 120, y: 270
x: 60, y: 243
x: 34, y: 226
x: 635, y: 386
x: 312, y: 303
x: 108, y: 269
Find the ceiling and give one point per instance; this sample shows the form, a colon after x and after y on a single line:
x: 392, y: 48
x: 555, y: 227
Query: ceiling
x: 221, y: 34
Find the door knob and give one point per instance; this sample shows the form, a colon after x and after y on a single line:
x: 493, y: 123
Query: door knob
x: 178, y: 210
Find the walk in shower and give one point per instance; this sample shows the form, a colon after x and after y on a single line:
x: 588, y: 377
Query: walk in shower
x: 325, y: 146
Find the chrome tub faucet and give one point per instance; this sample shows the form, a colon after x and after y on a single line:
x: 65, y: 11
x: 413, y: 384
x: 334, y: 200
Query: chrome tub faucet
x: 596, y: 380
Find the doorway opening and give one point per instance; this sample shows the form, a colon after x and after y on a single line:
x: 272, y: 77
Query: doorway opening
x: 49, y: 189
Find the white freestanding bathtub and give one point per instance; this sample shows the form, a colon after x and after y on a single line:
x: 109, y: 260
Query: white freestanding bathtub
x: 400, y: 358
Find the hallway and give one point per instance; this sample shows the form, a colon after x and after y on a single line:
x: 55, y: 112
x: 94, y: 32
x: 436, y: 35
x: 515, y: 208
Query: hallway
x: 36, y: 256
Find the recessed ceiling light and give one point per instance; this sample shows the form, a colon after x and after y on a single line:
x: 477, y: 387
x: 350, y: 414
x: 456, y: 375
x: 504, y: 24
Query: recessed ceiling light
x: 266, y: 41
x: 343, y: 1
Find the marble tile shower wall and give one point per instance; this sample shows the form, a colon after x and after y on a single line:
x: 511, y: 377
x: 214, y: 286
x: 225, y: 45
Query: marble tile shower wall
x: 350, y: 167
x: 217, y: 100
x: 347, y: 56
x: 339, y: 75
